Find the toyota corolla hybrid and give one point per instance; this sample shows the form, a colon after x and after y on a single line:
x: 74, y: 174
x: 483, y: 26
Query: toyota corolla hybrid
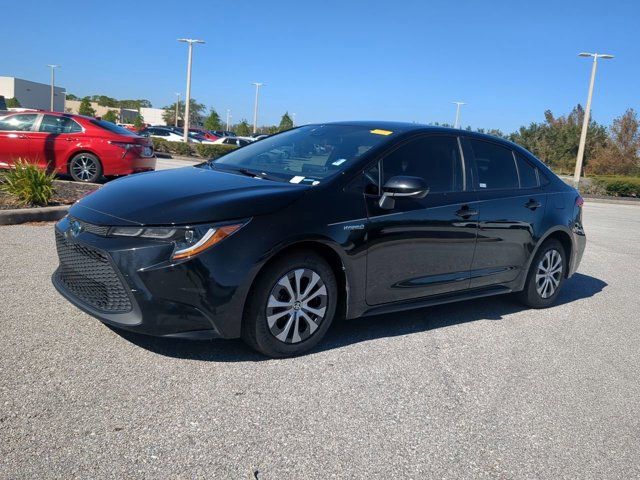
x: 274, y: 240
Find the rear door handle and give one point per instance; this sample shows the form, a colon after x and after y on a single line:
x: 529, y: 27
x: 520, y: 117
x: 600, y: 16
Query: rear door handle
x: 532, y: 204
x: 70, y: 139
x: 466, y: 212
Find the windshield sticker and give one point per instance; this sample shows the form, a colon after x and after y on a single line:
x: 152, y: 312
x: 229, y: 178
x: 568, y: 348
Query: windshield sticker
x: 339, y: 162
x: 296, y: 179
x: 483, y: 185
x: 378, y: 131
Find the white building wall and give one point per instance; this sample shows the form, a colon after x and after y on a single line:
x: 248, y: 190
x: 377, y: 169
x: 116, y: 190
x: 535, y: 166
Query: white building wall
x: 32, y: 94
x: 153, y: 116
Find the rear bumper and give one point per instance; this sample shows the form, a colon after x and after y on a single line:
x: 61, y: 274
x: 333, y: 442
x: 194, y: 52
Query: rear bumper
x: 128, y: 165
x: 185, y: 300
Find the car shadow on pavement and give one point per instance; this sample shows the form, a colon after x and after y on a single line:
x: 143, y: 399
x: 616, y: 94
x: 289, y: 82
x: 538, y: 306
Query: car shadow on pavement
x: 347, y: 332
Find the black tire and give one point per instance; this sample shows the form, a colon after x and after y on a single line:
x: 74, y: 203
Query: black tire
x: 260, y: 333
x: 534, y: 294
x: 85, y: 167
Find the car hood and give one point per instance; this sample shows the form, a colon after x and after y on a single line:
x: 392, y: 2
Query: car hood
x: 184, y: 196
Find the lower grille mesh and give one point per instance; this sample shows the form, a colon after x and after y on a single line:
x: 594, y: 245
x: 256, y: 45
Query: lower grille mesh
x: 88, y: 274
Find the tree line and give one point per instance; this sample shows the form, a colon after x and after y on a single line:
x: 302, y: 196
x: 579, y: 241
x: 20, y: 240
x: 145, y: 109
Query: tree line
x: 612, y: 150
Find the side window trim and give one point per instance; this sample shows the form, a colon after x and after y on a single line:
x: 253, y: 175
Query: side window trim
x: 515, y: 161
x: 462, y: 164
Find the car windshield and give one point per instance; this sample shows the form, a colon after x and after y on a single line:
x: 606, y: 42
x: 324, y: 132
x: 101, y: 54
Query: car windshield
x: 303, y: 155
x: 112, y: 127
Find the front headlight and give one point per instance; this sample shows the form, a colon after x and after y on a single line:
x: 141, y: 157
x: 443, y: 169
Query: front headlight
x: 189, y: 241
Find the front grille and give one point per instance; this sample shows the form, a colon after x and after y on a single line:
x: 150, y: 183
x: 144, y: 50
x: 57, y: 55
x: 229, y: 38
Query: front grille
x: 87, y: 273
x: 100, y: 230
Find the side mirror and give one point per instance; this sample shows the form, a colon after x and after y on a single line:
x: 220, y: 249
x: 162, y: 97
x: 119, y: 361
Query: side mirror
x: 402, y: 186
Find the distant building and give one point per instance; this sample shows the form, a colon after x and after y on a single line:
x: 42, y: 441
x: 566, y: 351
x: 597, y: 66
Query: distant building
x: 125, y: 115
x: 153, y: 116
x: 32, y: 94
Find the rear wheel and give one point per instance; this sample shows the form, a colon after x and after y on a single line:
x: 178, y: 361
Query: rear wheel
x: 546, y: 276
x: 85, y: 167
x: 291, y: 306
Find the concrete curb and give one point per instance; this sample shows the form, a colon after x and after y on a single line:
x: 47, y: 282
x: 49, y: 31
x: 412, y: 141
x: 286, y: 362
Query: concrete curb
x: 615, y: 200
x: 23, y: 215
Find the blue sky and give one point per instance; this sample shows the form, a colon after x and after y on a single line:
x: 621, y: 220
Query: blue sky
x: 337, y: 59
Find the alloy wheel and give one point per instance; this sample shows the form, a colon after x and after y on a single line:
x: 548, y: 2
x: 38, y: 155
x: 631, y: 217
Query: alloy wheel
x: 296, y: 306
x: 84, y: 168
x: 549, y: 273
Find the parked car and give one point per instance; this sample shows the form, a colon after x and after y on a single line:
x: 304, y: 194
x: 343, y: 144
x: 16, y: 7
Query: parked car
x: 209, y: 136
x: 390, y: 217
x: 223, y: 133
x: 240, y: 142
x: 171, y: 134
x: 82, y: 147
x: 260, y: 137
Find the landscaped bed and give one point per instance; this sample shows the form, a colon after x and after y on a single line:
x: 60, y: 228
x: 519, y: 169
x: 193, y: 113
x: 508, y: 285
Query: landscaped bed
x: 65, y: 193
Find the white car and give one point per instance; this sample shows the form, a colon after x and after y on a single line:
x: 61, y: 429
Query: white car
x: 167, y: 133
x: 238, y: 141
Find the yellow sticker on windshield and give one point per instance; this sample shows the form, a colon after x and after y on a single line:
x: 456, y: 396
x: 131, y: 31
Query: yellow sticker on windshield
x: 378, y: 131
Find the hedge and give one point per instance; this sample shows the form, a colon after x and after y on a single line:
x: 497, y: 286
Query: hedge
x: 619, y: 186
x: 191, y: 149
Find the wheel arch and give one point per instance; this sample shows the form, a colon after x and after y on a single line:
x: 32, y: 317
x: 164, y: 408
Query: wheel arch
x: 77, y: 152
x: 563, y: 235
x: 325, y: 250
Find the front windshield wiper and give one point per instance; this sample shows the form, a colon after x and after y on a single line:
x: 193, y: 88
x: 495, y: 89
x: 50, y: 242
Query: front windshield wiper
x: 246, y: 172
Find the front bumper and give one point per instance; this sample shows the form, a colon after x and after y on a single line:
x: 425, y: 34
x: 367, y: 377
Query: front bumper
x: 131, y: 284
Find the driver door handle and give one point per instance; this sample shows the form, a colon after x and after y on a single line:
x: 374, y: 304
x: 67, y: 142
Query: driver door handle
x: 466, y: 212
x: 532, y: 204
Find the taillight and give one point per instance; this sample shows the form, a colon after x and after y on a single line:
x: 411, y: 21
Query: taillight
x: 125, y: 145
x: 579, y: 201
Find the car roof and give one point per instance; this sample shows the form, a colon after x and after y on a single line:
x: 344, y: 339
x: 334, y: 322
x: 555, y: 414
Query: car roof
x: 408, y: 128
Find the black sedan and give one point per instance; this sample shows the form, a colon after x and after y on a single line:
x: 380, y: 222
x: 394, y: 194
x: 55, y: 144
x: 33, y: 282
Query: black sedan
x: 273, y: 241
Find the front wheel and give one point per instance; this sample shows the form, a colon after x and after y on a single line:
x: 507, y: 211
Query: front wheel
x: 85, y: 167
x: 291, y: 306
x: 546, y: 276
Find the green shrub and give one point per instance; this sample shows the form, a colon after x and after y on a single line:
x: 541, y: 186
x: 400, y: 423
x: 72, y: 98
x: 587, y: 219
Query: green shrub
x: 160, y: 145
x: 28, y: 183
x: 213, y: 151
x: 180, y: 148
x: 619, y: 186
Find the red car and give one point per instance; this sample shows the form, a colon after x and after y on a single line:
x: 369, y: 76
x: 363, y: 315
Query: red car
x: 205, y: 133
x: 82, y: 147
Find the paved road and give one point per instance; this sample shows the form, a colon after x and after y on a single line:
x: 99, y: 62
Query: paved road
x: 482, y: 389
x: 167, y: 163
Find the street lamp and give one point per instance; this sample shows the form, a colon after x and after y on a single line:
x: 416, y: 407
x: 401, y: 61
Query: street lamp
x: 587, y: 113
x: 457, y: 122
x: 175, y: 122
x: 255, y: 106
x: 293, y: 119
x: 187, y: 100
x: 228, y: 117
x: 53, y: 81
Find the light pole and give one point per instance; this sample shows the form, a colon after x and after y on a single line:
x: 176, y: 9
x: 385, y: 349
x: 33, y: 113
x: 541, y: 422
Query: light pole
x: 587, y: 113
x: 187, y: 99
x: 53, y: 81
x: 457, y: 122
x: 293, y: 119
x: 228, y: 117
x: 175, y: 122
x: 255, y: 106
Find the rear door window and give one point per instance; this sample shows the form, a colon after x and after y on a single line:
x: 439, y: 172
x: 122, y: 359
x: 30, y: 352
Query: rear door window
x: 495, y: 164
x: 55, y: 124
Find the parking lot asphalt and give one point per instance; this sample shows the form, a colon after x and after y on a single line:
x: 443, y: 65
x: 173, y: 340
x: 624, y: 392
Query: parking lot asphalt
x: 169, y: 163
x: 480, y: 389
